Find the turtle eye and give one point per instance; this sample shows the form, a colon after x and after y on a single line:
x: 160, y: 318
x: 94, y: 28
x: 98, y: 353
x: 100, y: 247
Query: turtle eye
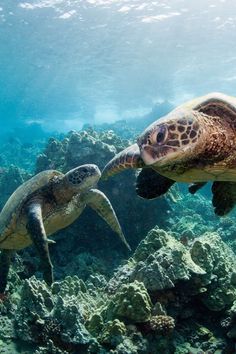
x: 160, y: 135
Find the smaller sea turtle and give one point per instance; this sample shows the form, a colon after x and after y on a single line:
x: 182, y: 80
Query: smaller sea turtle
x: 195, y: 143
x: 46, y: 203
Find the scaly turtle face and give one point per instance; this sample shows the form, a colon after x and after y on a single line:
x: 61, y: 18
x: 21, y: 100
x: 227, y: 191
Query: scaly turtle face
x: 83, y: 177
x: 170, y: 145
x: 170, y: 139
x: 76, y: 181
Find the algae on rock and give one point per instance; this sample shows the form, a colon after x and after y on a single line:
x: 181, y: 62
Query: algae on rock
x: 160, y: 261
x: 219, y: 263
x: 131, y: 302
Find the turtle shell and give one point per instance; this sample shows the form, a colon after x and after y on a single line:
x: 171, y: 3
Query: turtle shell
x: 13, y: 206
x: 214, y: 104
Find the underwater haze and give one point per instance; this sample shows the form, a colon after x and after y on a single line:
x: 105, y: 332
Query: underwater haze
x: 65, y: 63
x: 117, y: 229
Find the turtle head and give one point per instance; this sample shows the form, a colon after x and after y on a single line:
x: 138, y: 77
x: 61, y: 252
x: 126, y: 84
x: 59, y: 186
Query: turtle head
x: 76, y: 181
x: 165, y: 143
x: 171, y: 139
x: 82, y: 178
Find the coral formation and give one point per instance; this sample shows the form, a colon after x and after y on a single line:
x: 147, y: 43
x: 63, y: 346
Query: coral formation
x: 219, y: 263
x: 18, y: 152
x: 78, y: 148
x: 231, y: 322
x: 58, y: 314
x: 162, y: 324
x: 167, y: 265
x: 131, y: 302
x: 113, y: 333
x: 160, y: 261
x: 125, y: 314
x: 10, y: 178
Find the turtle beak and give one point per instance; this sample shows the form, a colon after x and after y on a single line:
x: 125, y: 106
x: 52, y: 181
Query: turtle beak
x: 128, y: 158
x: 148, y: 153
x: 152, y: 154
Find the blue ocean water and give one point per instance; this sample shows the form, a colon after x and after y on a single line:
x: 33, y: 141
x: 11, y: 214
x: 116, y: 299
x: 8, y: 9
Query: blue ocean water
x: 79, y: 82
x: 65, y: 62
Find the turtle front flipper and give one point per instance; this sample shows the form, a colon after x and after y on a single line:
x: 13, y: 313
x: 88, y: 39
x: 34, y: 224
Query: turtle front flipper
x: 224, y: 197
x: 101, y: 204
x: 127, y: 158
x: 150, y: 184
x: 5, y: 261
x: 38, y: 236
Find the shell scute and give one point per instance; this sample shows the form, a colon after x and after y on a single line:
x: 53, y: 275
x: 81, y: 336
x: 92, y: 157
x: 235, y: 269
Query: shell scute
x: 214, y: 104
x: 9, y: 216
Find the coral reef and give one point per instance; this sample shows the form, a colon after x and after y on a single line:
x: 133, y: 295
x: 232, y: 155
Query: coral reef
x: 10, y: 178
x: 162, y: 324
x: 160, y: 261
x: 168, y: 264
x: 57, y: 315
x: 113, y: 332
x: 178, y: 312
x: 230, y: 322
x: 78, y: 148
x: 194, y: 215
x: 219, y: 263
x: 131, y: 302
x: 21, y: 151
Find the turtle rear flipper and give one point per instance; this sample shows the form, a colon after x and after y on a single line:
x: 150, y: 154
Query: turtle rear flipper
x: 224, y: 197
x: 101, y: 204
x: 150, y: 184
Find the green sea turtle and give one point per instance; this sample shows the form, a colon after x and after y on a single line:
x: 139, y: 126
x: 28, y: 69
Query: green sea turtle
x: 46, y: 203
x: 195, y: 143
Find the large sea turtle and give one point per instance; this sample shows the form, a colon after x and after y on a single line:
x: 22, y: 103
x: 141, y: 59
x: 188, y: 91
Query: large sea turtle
x: 195, y: 143
x: 46, y: 203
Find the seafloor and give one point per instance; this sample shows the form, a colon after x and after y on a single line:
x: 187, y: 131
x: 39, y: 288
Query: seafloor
x: 174, y: 293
